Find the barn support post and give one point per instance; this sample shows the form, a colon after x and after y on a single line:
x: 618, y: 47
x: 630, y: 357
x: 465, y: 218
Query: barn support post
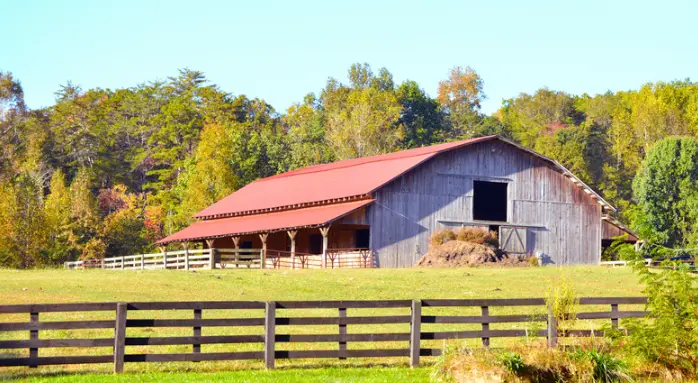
x: 325, y: 232
x: 212, y: 254
x: 185, y: 245
x: 263, y: 237
x: 163, y: 250
x: 236, y: 243
x: 292, y: 236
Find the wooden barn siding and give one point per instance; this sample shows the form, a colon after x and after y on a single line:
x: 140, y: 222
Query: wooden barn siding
x: 409, y: 209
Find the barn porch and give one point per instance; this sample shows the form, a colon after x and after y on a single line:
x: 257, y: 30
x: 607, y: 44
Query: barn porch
x: 329, y: 235
x: 336, y: 245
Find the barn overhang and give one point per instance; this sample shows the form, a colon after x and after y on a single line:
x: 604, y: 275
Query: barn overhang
x: 309, y: 217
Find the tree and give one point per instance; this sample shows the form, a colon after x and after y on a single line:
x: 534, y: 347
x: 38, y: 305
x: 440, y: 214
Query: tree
x: 57, y: 210
x: 461, y: 96
x: 123, y: 230
x: 363, y: 119
x: 8, y: 250
x: 306, y: 134
x: 420, y: 116
x: 29, y: 222
x: 532, y: 116
x: 666, y: 193
x: 84, y: 211
x: 12, y: 113
x: 11, y: 97
x: 209, y: 177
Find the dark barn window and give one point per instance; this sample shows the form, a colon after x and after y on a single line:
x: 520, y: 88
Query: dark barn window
x: 315, y: 244
x: 246, y: 245
x: 362, y: 238
x: 489, y: 201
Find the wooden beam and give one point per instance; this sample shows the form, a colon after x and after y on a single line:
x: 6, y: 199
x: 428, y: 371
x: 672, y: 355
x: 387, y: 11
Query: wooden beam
x: 236, y: 243
x: 292, y: 236
x: 263, y: 237
x: 325, y: 232
x: 212, y: 253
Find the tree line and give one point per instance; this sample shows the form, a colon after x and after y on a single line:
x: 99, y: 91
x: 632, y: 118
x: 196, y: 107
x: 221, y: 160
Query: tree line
x: 107, y: 172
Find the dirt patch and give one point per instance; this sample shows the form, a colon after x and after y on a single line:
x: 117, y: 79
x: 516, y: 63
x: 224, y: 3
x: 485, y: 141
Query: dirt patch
x: 456, y: 253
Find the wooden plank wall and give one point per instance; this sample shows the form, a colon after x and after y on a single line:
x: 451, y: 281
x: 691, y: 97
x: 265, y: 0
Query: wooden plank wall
x: 409, y: 209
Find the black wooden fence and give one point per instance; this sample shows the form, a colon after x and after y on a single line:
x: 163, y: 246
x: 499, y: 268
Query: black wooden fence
x: 271, y: 322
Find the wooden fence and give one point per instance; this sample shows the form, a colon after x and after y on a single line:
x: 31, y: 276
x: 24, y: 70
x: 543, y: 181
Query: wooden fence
x: 230, y: 258
x: 269, y: 319
x: 654, y: 263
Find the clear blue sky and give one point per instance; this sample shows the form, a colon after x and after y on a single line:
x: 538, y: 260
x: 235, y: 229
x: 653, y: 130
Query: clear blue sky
x: 281, y: 50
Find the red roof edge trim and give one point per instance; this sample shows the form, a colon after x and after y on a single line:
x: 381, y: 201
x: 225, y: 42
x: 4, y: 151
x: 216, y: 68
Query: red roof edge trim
x: 285, y: 208
x: 358, y: 205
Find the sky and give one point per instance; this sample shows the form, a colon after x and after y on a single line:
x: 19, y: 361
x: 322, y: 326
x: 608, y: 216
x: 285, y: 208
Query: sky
x: 281, y: 50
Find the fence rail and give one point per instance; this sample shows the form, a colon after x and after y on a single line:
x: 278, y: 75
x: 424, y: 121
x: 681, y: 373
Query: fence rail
x: 274, y: 316
x: 655, y: 263
x: 230, y: 258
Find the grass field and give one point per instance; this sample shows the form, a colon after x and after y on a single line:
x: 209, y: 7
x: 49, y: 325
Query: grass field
x: 54, y: 286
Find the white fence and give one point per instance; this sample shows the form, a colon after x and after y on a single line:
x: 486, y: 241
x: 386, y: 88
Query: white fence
x: 181, y: 259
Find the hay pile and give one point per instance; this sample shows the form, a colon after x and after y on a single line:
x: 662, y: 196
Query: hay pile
x: 466, y: 247
x: 458, y: 254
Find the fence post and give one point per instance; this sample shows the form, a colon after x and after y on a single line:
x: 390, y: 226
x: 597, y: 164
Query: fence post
x: 164, y: 258
x: 552, y: 327
x: 342, y: 332
x: 122, y: 263
x: 485, y: 325
x: 614, y: 316
x: 120, y: 337
x: 33, y: 335
x: 415, y: 332
x: 269, y: 334
x: 186, y: 258
x: 196, y: 348
x: 142, y: 261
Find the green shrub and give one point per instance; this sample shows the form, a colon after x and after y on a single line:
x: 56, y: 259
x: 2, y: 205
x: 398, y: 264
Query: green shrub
x: 670, y: 336
x: 563, y: 299
x: 533, y: 260
x: 513, y: 362
x: 606, y: 368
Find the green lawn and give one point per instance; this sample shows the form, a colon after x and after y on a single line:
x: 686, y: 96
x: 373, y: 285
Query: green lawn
x: 53, y: 286
x: 329, y: 375
x: 157, y: 285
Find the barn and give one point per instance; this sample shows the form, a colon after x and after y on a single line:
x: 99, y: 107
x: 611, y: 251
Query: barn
x: 380, y: 211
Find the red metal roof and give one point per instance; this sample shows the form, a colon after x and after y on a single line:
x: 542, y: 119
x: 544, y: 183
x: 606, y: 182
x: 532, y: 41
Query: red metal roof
x: 267, y: 222
x: 343, y: 179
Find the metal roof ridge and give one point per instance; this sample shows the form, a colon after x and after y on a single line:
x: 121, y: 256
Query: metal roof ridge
x: 368, y: 160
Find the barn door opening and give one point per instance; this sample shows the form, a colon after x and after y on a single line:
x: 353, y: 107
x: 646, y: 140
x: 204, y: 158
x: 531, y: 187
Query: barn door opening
x: 489, y: 201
